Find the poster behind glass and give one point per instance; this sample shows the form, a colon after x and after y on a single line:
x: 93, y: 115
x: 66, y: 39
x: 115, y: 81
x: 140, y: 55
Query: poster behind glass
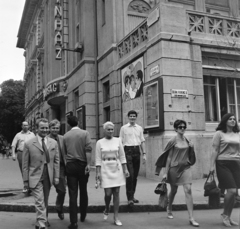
x: 81, y: 117
x: 151, y: 105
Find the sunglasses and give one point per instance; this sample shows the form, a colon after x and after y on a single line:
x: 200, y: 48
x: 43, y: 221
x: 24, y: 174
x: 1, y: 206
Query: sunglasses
x: 182, y: 127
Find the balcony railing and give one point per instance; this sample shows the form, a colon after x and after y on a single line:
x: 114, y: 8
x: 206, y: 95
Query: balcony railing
x: 213, y: 24
x: 133, y: 39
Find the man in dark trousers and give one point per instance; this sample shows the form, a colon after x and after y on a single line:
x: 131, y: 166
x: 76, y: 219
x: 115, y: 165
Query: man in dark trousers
x: 40, y: 166
x: 133, y: 141
x: 77, y: 147
x: 54, y: 127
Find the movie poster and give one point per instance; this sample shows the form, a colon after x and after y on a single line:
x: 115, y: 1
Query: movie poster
x: 132, y: 89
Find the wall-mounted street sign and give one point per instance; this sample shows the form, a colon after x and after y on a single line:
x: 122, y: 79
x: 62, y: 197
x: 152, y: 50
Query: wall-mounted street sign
x: 179, y: 93
x: 153, y: 17
x: 155, y: 70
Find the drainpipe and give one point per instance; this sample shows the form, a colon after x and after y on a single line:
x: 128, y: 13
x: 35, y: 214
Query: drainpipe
x: 96, y: 68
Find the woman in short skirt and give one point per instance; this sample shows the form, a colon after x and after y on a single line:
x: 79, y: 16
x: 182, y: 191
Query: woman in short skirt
x: 111, y: 169
x: 226, y: 157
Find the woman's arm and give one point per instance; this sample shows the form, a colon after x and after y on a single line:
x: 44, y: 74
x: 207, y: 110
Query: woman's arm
x: 215, y: 149
x: 125, y: 170
x: 213, y: 157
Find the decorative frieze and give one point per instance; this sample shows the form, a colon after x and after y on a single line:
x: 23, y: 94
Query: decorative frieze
x: 218, y: 25
x: 133, y: 40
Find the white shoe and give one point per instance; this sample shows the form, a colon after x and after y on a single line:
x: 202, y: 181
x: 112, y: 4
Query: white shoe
x: 24, y: 190
x: 105, y: 215
x: 117, y: 222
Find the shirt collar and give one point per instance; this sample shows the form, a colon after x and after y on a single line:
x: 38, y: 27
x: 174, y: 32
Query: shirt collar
x: 75, y: 128
x: 28, y: 132
x: 129, y: 125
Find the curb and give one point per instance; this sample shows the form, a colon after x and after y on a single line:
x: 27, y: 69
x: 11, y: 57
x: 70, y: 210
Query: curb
x: 100, y: 208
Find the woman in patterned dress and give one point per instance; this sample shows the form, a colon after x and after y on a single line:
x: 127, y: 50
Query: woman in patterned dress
x: 111, y: 169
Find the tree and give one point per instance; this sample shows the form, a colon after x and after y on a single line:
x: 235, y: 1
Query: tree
x: 11, y: 108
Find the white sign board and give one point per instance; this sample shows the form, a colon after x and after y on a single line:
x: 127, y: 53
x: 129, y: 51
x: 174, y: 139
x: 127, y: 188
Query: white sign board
x: 179, y: 93
x: 155, y: 70
x: 153, y: 17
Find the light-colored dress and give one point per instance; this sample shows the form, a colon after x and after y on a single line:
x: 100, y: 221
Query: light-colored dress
x: 179, y: 171
x: 110, y: 156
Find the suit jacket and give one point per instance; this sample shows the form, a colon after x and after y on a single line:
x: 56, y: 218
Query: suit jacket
x: 33, y: 161
x: 139, y: 91
x: 61, y: 151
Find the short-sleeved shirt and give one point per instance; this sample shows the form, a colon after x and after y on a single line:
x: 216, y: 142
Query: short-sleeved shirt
x: 20, y: 138
x: 131, y: 135
x: 228, y: 145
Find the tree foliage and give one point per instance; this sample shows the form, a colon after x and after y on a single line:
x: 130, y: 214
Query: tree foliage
x: 11, y: 108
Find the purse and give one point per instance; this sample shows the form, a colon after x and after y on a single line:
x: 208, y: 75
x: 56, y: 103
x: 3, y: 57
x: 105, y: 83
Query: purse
x: 161, y: 188
x: 210, y: 186
x: 163, y: 199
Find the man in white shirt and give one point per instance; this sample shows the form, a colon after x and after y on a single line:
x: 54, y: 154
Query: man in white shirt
x: 133, y: 141
x: 18, y: 144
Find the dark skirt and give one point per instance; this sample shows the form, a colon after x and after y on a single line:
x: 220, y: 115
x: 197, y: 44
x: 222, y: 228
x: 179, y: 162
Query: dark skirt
x: 228, y: 173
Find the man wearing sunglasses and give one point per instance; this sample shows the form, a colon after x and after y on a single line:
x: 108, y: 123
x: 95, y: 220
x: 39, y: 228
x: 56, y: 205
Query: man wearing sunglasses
x: 133, y: 141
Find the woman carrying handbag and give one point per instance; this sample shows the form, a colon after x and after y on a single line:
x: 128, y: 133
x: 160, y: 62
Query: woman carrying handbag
x: 177, y: 158
x: 226, y: 157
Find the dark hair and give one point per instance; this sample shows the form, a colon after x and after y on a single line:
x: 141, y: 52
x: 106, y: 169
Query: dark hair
x: 132, y: 112
x: 140, y: 75
x: 178, y: 122
x: 72, y: 121
x: 222, y: 125
x: 127, y: 79
x: 44, y: 120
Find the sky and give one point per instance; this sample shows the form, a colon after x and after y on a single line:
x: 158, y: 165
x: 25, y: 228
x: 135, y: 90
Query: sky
x: 12, y: 61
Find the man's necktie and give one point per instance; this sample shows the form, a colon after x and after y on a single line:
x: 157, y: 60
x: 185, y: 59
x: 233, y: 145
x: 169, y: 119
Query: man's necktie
x: 45, y: 150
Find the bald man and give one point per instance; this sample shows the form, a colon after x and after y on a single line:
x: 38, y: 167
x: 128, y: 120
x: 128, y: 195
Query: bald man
x: 18, y: 144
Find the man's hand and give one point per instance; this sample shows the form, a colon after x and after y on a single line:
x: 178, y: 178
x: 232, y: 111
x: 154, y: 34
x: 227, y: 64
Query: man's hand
x: 144, y: 158
x: 87, y: 169
x: 14, y: 157
x: 56, y: 181
x: 26, y: 185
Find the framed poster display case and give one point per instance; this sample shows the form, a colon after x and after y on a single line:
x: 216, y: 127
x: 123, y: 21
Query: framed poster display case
x: 153, y: 105
x: 80, y: 113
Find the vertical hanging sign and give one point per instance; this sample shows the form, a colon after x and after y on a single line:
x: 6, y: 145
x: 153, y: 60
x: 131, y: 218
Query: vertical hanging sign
x: 58, y: 29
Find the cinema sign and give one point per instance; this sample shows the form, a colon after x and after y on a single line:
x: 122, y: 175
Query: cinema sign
x: 58, y: 25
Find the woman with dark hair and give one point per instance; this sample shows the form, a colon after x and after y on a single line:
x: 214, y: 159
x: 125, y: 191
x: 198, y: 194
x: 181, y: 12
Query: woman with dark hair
x: 177, y: 168
x: 226, y: 155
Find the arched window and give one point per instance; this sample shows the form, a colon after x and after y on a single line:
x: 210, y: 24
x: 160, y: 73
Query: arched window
x: 137, y: 11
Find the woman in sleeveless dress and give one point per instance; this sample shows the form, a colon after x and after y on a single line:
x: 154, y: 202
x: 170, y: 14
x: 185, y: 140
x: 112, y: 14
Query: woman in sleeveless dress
x: 178, y: 170
x: 111, y: 169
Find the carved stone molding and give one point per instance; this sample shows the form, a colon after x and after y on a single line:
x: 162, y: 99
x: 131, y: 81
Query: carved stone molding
x: 139, y: 6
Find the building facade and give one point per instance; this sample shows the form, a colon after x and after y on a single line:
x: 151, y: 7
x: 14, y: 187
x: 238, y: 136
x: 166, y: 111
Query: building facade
x: 167, y: 59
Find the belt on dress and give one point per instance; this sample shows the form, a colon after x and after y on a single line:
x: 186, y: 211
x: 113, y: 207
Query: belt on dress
x: 109, y: 159
x: 131, y: 147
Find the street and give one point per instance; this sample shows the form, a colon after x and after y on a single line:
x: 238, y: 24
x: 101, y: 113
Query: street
x: 206, y: 218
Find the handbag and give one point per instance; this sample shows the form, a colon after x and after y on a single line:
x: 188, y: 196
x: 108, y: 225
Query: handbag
x: 192, y: 156
x: 161, y: 187
x: 210, y: 187
x: 163, y: 199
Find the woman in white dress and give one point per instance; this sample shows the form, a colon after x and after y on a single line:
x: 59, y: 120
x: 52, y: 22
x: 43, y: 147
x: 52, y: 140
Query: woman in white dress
x: 111, y: 169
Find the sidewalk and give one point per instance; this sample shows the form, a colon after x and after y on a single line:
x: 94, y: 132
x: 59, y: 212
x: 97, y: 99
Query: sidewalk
x: 148, y: 201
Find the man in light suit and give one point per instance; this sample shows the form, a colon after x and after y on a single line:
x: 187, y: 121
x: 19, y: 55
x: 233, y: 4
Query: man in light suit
x: 54, y: 126
x: 40, y: 168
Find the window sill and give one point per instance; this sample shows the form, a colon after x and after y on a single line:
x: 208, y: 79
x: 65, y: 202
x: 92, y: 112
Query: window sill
x: 211, y: 126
